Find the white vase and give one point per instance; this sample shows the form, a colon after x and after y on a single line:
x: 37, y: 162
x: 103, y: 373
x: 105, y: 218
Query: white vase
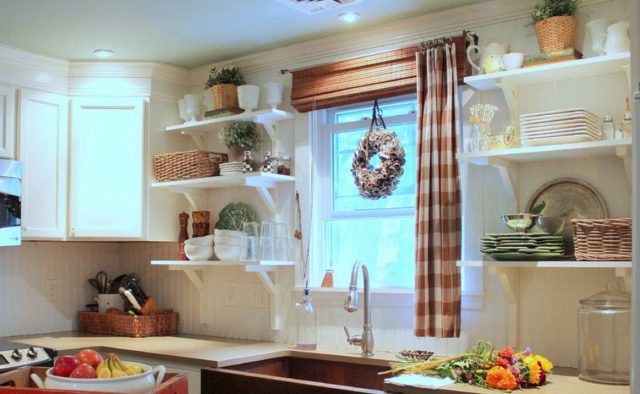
x: 274, y: 94
x: 248, y: 96
x: 616, y: 40
x: 597, y: 28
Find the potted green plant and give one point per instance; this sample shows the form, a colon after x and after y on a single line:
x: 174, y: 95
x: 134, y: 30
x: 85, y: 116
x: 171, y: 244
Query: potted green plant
x: 555, y: 24
x: 224, y: 87
x: 240, y: 137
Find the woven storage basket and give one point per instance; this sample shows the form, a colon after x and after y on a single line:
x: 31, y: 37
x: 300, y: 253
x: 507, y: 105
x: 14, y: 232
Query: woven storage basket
x: 224, y: 96
x: 602, y: 239
x: 187, y: 165
x: 556, y: 33
x: 127, y: 325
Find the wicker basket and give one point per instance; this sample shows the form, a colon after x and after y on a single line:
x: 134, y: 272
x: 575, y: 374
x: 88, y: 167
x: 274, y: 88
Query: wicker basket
x: 187, y: 165
x: 127, y: 325
x: 556, y: 33
x: 602, y: 239
x: 224, y: 96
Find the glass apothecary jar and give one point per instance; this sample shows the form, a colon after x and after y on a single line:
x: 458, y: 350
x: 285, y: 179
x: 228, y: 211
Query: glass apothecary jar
x: 604, y: 335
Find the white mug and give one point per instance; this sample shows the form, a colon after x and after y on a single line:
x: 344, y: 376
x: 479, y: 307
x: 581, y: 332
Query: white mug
x: 106, y: 301
x: 513, y: 60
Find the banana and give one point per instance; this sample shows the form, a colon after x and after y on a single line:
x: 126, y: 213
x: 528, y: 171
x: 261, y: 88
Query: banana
x: 135, y: 367
x: 103, y: 371
x: 116, y: 372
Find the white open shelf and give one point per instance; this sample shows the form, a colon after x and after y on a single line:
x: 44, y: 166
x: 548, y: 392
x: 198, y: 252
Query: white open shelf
x: 578, y: 150
x: 545, y: 264
x: 263, y: 117
x: 573, y: 69
x: 261, y: 268
x: 251, y: 179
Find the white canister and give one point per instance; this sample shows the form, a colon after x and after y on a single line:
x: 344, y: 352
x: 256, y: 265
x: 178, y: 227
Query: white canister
x: 274, y: 94
x: 106, y: 301
x: 248, y: 96
x: 616, y: 40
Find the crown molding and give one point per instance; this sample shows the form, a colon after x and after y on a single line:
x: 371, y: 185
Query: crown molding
x: 29, y: 70
x: 390, y: 36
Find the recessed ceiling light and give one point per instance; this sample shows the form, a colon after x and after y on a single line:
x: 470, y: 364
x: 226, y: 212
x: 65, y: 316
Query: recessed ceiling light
x: 349, y: 17
x: 103, y: 53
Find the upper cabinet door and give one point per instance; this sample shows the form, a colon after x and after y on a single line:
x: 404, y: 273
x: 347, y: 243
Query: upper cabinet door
x: 7, y: 121
x: 43, y: 151
x: 107, y: 168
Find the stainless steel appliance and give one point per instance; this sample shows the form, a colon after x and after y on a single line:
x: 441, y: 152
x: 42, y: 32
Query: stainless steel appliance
x: 14, y: 355
x: 10, y: 205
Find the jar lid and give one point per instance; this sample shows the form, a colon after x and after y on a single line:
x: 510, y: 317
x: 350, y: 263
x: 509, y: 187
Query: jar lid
x: 613, y: 297
x: 608, y: 118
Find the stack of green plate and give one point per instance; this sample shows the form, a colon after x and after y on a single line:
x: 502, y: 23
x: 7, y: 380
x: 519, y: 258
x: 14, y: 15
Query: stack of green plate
x: 522, y: 246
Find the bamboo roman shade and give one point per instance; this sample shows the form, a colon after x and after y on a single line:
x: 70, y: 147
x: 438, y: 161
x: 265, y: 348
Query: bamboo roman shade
x: 361, y: 79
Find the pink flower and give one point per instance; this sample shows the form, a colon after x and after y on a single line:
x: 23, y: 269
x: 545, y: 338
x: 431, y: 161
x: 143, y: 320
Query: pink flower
x: 527, y: 351
x: 506, y: 352
x: 514, y: 370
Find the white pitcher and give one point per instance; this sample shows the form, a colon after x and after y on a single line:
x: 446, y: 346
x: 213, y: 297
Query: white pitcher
x: 597, y: 29
x: 490, y: 58
x: 616, y: 39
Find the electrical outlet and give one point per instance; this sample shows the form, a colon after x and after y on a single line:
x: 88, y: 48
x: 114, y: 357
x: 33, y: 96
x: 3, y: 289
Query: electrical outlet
x: 51, y: 290
x: 259, y: 297
x: 231, y: 294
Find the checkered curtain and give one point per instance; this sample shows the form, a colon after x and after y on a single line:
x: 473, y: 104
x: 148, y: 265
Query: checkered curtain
x: 437, y: 308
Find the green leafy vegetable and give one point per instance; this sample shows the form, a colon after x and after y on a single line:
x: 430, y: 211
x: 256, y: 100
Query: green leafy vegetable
x: 234, y: 215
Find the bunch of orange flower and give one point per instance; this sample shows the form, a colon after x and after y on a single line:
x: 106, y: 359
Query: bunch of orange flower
x: 483, y: 366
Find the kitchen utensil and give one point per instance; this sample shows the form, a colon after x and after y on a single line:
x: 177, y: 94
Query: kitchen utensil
x: 94, y: 283
x: 102, y: 279
x: 490, y: 57
x: 604, y: 336
x: 132, y: 300
x: 141, y: 383
x: 115, y: 284
x: 568, y: 199
x: 597, y: 28
x: 201, y: 241
x: 521, y: 222
x: 616, y: 39
x: 135, y: 285
x: 150, y: 307
x: 198, y: 252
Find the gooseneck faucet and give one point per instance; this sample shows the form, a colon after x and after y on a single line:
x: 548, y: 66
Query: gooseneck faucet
x: 351, y: 305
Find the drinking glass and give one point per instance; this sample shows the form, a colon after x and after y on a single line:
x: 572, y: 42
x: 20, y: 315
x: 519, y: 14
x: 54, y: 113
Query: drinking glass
x: 248, y: 248
x: 266, y: 246
x: 274, y: 94
x: 251, y: 229
x: 268, y: 229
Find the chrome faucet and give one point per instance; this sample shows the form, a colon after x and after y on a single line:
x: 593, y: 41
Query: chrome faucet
x: 351, y: 305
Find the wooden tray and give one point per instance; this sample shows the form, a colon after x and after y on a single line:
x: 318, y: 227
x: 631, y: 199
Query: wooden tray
x: 19, y: 381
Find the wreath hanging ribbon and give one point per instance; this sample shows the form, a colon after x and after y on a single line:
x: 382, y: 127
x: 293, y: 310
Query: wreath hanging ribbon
x: 380, y: 182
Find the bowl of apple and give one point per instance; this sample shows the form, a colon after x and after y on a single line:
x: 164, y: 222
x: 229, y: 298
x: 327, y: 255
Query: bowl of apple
x: 89, y: 371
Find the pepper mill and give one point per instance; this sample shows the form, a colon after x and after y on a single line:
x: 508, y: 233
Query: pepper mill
x: 184, y: 235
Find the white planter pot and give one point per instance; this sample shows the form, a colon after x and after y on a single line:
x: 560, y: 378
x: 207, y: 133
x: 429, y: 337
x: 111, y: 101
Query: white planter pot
x: 248, y: 96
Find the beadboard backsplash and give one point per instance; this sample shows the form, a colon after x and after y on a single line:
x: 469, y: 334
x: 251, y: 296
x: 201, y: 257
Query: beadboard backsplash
x: 27, y: 271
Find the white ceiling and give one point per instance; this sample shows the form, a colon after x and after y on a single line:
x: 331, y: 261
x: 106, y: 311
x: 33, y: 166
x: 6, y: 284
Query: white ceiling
x: 185, y: 33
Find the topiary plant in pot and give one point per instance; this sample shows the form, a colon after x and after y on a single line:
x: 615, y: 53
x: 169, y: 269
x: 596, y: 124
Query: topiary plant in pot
x: 239, y: 137
x: 224, y: 87
x: 555, y: 24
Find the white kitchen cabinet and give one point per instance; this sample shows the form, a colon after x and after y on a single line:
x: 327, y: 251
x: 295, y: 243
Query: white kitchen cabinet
x: 43, y: 140
x: 7, y: 121
x: 106, y: 161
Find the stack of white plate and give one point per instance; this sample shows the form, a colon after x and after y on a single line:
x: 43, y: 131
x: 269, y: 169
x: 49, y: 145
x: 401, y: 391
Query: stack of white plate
x: 563, y: 126
x: 234, y: 167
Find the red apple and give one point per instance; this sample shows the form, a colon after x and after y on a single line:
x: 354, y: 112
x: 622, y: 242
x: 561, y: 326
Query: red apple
x: 84, y: 371
x: 65, y: 365
x: 91, y: 357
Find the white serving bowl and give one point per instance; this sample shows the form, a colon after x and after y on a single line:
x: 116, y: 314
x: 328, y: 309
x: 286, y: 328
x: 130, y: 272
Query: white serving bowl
x: 222, y: 240
x: 227, y: 252
x: 141, y: 383
x: 198, y: 252
x: 206, y: 240
x: 228, y: 233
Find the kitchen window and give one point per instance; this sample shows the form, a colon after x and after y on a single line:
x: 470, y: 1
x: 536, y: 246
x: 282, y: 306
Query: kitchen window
x: 380, y: 233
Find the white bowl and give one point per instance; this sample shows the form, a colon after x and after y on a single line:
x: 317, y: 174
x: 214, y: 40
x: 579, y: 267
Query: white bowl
x: 228, y: 233
x: 198, y: 252
x: 141, y: 383
x: 206, y: 240
x: 222, y: 240
x: 227, y: 252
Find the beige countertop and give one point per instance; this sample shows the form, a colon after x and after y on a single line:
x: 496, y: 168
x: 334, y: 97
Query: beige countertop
x: 221, y: 352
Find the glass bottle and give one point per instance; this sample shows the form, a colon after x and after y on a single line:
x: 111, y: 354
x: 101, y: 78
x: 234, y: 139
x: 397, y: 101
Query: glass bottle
x: 183, y: 219
x: 608, y: 128
x: 627, y: 126
x: 267, y: 163
x: 284, y: 165
x: 306, y: 326
x: 327, y: 281
x: 247, y: 162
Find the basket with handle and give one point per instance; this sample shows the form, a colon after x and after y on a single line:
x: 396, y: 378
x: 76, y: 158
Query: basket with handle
x: 187, y: 165
x: 602, y: 239
x: 556, y: 33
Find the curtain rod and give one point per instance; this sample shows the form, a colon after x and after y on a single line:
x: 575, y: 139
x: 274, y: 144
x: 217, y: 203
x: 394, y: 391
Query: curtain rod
x: 423, y: 45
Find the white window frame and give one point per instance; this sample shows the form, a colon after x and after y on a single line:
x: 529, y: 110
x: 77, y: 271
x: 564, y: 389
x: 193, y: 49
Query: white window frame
x: 324, y: 128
